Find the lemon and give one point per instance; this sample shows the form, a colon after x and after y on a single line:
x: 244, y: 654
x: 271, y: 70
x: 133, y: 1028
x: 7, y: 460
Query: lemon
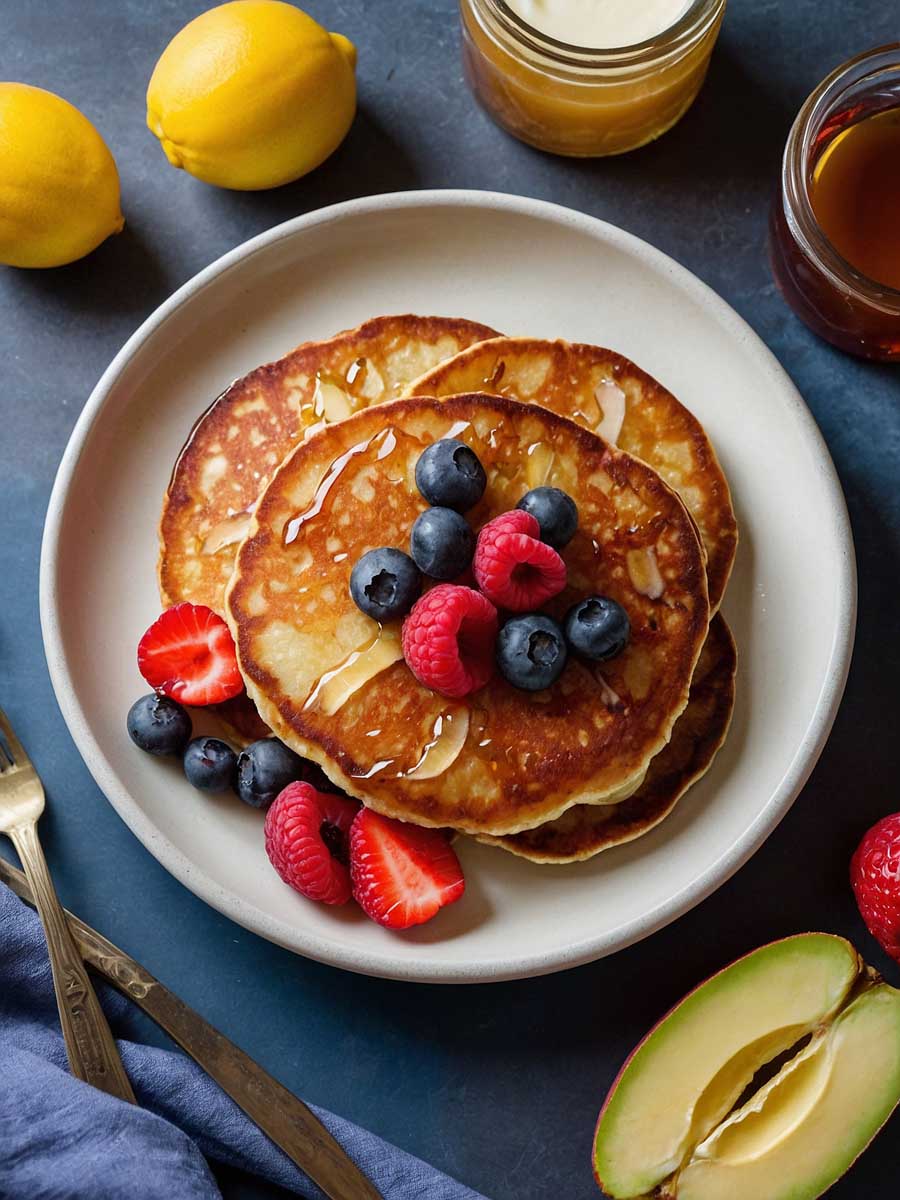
x: 252, y: 94
x: 59, y: 187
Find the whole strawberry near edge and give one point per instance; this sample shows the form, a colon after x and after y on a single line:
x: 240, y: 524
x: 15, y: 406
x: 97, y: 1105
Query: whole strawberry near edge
x: 875, y: 876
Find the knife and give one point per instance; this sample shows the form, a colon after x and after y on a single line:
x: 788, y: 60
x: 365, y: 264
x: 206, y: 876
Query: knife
x: 278, y: 1113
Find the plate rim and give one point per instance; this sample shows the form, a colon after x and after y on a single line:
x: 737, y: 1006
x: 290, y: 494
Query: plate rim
x: 519, y: 965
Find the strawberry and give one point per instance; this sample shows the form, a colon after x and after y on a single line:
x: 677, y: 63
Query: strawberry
x: 402, y: 874
x: 188, y: 654
x: 875, y: 876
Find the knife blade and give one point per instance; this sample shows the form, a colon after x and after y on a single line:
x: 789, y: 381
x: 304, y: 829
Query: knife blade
x: 278, y: 1113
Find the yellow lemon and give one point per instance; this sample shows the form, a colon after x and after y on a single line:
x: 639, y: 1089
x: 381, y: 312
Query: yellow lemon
x: 59, y: 187
x: 252, y: 94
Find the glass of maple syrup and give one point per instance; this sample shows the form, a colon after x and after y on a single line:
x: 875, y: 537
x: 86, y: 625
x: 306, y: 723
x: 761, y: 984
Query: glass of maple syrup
x: 835, y: 224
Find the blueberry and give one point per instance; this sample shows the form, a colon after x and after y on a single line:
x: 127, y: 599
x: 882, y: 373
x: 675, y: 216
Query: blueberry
x: 555, y: 512
x: 385, y: 584
x: 450, y: 475
x: 314, y: 774
x: 597, y: 627
x: 265, y: 769
x: 159, y: 725
x: 442, y: 543
x: 210, y: 764
x: 531, y: 652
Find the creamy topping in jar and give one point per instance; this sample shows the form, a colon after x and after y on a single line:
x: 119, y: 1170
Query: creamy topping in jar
x: 600, y: 24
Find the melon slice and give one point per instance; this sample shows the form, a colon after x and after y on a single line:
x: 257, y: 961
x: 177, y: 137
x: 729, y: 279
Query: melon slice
x: 687, y: 1075
x: 800, y: 1133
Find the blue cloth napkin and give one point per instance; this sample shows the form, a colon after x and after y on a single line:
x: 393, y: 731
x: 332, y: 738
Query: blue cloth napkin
x: 61, y: 1139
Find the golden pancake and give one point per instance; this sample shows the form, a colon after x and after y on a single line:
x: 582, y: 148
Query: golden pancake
x: 333, y: 685
x: 699, y: 732
x: 240, y: 440
x: 619, y: 401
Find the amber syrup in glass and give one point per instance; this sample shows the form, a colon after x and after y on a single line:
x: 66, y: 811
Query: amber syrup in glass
x: 835, y: 222
x: 855, y: 194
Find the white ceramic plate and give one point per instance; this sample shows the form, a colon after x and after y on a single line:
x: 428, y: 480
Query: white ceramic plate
x: 524, y: 267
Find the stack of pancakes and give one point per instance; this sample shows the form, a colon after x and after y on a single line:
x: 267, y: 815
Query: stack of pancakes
x: 305, y: 464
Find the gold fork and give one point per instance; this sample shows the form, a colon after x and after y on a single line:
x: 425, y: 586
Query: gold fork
x: 92, y: 1051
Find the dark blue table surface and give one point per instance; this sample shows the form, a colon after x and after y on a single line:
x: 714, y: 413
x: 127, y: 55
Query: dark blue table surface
x: 500, y: 1084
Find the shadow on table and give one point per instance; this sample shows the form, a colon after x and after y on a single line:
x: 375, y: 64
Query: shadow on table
x: 123, y: 275
x: 367, y: 162
x: 735, y: 129
x: 734, y: 134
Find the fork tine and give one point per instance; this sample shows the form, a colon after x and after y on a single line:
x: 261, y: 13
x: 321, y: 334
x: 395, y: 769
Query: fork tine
x: 15, y: 751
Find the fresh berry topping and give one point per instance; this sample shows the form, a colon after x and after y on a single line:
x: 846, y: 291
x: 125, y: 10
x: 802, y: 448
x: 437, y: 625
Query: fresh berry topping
x: 556, y: 514
x: 449, y: 474
x: 513, y: 567
x: 402, y: 874
x: 441, y: 543
x: 597, y: 628
x: 159, y: 725
x: 385, y: 584
x: 265, y: 769
x: 210, y: 765
x: 531, y: 652
x: 313, y: 773
x: 188, y: 654
x: 875, y: 876
x: 448, y: 640
x: 306, y: 841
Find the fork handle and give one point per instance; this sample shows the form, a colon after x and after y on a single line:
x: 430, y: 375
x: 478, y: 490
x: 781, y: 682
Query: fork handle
x: 92, y: 1051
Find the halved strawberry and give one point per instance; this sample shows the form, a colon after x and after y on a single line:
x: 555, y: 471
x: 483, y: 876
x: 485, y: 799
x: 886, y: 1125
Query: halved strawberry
x: 402, y: 874
x: 188, y: 654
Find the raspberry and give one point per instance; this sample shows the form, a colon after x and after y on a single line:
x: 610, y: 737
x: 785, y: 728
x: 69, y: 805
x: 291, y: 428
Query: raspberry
x: 875, y: 876
x: 306, y: 841
x: 448, y: 640
x: 513, y: 567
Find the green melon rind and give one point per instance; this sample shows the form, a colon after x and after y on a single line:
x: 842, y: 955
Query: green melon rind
x: 741, y: 975
x: 847, y: 1150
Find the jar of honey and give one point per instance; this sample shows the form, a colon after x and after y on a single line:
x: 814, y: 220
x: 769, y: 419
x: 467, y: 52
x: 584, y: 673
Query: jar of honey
x: 835, y: 222
x: 572, y: 99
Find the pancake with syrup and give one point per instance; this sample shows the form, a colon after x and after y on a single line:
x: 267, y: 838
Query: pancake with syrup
x: 235, y: 447
x: 333, y: 685
x: 239, y: 441
x: 620, y: 402
x: 699, y: 732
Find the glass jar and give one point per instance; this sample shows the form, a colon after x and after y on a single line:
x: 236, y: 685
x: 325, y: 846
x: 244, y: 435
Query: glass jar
x: 839, y: 303
x: 577, y: 101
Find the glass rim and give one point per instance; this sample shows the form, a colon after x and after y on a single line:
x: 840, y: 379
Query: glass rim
x: 680, y: 35
x: 797, y: 203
